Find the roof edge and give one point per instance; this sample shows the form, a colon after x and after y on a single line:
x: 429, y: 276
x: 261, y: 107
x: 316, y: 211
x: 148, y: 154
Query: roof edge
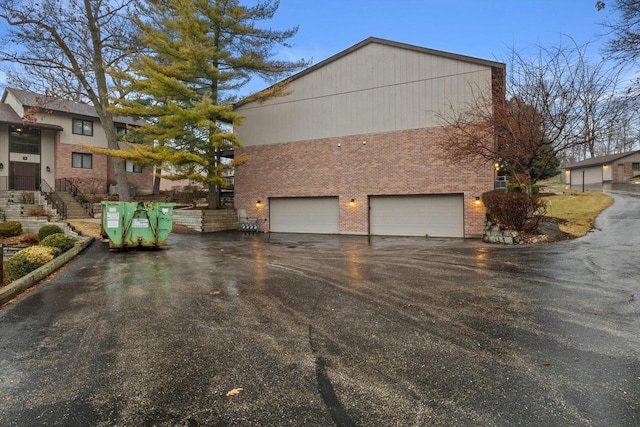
x: 385, y: 42
x: 600, y: 160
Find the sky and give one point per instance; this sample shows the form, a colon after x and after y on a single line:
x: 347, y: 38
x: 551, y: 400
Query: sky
x: 486, y: 29
x: 482, y: 28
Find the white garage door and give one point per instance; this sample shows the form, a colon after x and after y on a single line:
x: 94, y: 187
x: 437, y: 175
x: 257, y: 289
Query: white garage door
x: 304, y: 215
x: 592, y: 175
x: 434, y: 215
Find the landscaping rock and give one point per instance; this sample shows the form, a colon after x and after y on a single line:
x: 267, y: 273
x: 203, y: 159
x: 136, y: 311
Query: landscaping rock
x: 549, y: 229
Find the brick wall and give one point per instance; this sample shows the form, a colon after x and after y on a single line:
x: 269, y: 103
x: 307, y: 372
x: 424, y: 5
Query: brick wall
x: 64, y: 168
x: 355, y: 167
x: 142, y: 181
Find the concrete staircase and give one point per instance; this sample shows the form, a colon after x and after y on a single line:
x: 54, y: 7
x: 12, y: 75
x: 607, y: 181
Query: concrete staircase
x: 75, y: 210
x: 16, y: 205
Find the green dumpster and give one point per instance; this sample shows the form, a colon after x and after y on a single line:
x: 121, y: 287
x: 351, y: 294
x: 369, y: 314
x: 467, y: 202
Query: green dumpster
x: 134, y: 224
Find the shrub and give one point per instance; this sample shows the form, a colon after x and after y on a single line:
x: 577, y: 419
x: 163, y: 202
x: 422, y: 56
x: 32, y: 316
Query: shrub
x: 90, y: 185
x: 515, y: 211
x: 515, y: 188
x: 10, y: 228
x: 519, y: 188
x: 29, y: 239
x: 64, y: 242
x: 48, y: 230
x: 41, y: 212
x: 28, y: 260
x: 27, y: 198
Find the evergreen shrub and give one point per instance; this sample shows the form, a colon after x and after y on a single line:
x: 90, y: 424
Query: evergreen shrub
x: 48, y: 230
x: 28, y: 260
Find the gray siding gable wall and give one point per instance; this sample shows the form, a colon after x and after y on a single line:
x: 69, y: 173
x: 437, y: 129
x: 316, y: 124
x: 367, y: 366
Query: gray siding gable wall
x: 374, y: 87
x: 21, y: 100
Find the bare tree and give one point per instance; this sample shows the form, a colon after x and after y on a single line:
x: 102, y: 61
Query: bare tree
x: 554, y: 101
x: 623, y: 132
x: 66, y: 48
x: 624, y: 45
x: 604, y: 102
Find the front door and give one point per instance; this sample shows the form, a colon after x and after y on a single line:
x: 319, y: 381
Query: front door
x: 621, y: 173
x: 25, y: 176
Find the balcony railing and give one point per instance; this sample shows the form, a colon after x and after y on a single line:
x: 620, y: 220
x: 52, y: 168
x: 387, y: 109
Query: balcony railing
x: 228, y: 183
x: 17, y: 182
x: 501, y: 183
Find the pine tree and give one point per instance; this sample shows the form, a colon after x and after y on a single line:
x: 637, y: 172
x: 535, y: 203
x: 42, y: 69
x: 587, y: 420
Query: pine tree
x: 200, y: 53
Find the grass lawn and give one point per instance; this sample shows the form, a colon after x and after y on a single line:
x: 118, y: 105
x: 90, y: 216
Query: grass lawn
x: 579, y: 209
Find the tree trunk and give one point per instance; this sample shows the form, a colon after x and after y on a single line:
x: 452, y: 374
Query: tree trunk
x: 213, y: 199
x: 100, y: 99
x: 156, y: 181
x: 119, y: 168
x: 122, y: 184
x: 528, y: 183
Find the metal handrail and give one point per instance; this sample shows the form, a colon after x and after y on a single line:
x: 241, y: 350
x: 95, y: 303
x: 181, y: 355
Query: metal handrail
x: 54, y: 198
x: 67, y: 186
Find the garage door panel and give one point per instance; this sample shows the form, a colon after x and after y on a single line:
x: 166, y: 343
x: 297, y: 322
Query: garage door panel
x: 591, y: 176
x: 304, y: 215
x: 433, y: 215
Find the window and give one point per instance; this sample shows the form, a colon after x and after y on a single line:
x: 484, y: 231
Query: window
x: 132, y: 167
x: 127, y: 134
x: 24, y: 140
x: 83, y: 127
x: 82, y: 160
x: 635, y: 166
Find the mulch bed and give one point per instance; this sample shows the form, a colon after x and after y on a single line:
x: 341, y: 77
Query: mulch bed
x: 535, y: 237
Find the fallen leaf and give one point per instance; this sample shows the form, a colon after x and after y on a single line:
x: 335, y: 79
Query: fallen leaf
x: 214, y: 293
x: 235, y: 391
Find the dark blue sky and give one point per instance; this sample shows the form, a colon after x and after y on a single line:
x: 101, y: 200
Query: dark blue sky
x: 487, y: 29
x: 483, y: 28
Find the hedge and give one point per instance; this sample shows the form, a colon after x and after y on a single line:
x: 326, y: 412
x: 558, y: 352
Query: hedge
x: 48, y: 230
x: 64, y: 242
x: 10, y: 228
x: 28, y: 260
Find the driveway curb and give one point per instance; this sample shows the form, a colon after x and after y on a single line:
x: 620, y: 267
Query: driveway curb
x: 17, y: 286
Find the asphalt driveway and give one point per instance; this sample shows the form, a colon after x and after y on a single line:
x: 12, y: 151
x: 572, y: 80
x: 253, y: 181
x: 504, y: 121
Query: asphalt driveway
x: 274, y: 330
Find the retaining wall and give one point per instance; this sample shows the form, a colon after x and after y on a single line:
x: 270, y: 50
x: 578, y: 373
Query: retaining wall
x: 206, y: 221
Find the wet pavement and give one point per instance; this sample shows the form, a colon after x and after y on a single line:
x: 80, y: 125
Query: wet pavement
x: 333, y: 330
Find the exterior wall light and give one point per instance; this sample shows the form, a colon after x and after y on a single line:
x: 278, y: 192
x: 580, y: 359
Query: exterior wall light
x: 477, y: 201
x: 352, y: 203
x: 496, y: 166
x: 258, y: 204
x: 1, y: 166
x: 605, y: 166
x: 48, y: 169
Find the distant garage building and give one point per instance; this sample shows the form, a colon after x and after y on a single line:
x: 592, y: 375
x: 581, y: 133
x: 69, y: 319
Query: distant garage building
x: 610, y: 168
